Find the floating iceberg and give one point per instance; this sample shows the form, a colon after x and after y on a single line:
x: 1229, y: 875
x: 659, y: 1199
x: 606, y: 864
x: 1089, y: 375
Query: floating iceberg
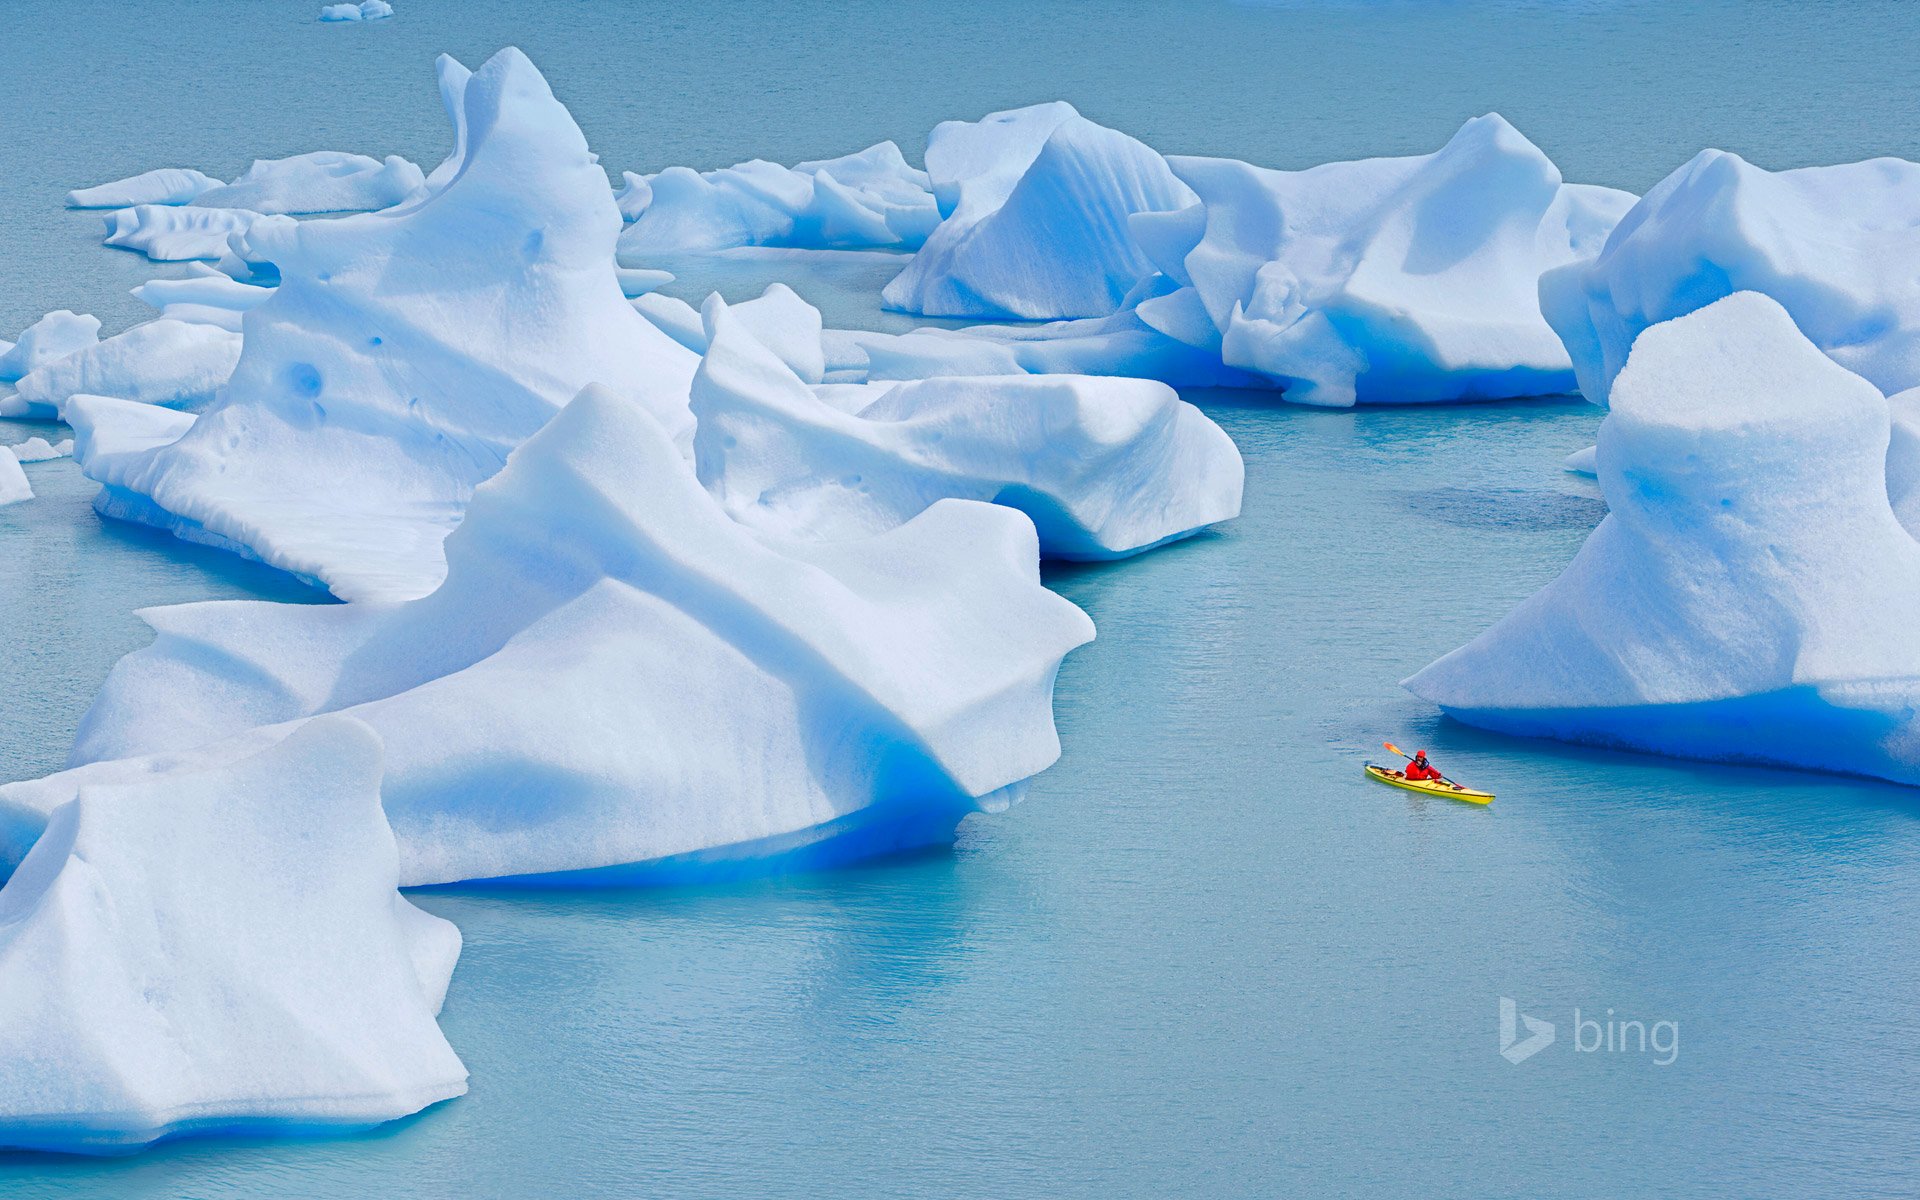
x: 1583, y: 462
x: 1386, y: 281
x: 366, y: 10
x: 178, y: 364
x: 324, y: 181
x: 169, y: 185
x: 175, y: 234
x: 1038, y: 229
x: 862, y: 200
x: 13, y: 481
x: 205, y: 297
x: 220, y: 951
x: 1834, y: 245
x: 1748, y: 597
x: 1104, y: 467
x: 52, y: 337
x: 404, y: 354
x: 39, y: 449
x: 576, y: 696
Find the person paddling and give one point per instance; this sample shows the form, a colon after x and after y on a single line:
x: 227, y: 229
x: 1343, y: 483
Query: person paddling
x: 1419, y: 768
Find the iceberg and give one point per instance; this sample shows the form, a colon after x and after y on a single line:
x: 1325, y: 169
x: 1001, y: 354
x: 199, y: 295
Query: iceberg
x: 220, y: 951
x: 869, y: 199
x: 571, y: 704
x: 404, y: 354
x: 13, y: 481
x: 1747, y: 598
x: 1833, y: 245
x: 39, y: 449
x: 177, y: 364
x: 52, y: 337
x: 366, y: 10
x: 1038, y: 229
x: 1104, y: 467
x: 1385, y: 281
x: 168, y: 185
x: 324, y: 181
x: 166, y: 233
x: 205, y: 297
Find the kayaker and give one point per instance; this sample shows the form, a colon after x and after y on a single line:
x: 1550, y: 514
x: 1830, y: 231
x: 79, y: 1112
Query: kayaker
x: 1420, y: 768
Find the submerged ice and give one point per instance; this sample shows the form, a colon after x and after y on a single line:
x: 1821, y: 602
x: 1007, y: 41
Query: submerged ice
x: 1747, y: 597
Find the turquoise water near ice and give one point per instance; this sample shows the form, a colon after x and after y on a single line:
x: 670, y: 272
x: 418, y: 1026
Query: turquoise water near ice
x: 1205, y: 957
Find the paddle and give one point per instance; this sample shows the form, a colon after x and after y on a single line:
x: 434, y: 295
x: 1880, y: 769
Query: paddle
x: 1409, y: 758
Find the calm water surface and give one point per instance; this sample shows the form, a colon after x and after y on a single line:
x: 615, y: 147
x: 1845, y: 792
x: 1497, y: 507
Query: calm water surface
x: 1204, y: 957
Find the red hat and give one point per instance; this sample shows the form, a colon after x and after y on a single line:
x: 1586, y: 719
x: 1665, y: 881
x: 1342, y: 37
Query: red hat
x: 1419, y: 753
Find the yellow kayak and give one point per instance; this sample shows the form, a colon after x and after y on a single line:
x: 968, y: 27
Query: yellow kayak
x: 1431, y: 787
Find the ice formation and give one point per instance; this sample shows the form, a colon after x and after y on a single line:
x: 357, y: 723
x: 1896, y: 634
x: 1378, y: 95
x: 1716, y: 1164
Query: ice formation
x: 178, y: 364
x: 39, y: 449
x: 13, y: 481
x: 1038, y: 227
x: 1748, y: 597
x: 205, y: 296
x: 366, y: 10
x: 52, y: 337
x: 220, y: 950
x: 323, y: 181
x: 168, y: 185
x: 868, y: 199
x: 578, y: 693
x: 167, y: 233
x: 404, y: 354
x: 1104, y: 467
x: 1834, y: 245
x: 1582, y: 462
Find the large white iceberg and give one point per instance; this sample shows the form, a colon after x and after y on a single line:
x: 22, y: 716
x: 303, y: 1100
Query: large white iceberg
x: 1834, y: 245
x: 174, y: 363
x: 52, y: 337
x: 619, y: 680
x: 220, y: 951
x: 168, y: 185
x: 1038, y: 227
x: 869, y: 199
x: 322, y: 181
x: 1749, y: 595
x: 405, y: 353
x: 1104, y: 467
x: 1385, y: 281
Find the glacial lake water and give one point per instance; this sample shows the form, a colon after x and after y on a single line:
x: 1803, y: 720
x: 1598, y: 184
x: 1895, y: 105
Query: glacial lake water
x: 1204, y: 957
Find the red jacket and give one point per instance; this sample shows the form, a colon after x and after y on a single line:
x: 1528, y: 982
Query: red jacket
x: 1417, y: 770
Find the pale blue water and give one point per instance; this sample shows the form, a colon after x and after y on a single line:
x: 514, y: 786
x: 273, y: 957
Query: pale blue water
x: 1205, y: 958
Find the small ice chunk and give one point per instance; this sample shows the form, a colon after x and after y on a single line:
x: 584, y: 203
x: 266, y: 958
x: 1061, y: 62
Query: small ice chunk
x: 38, y: 449
x: 638, y: 281
x: 168, y: 234
x: 49, y: 339
x: 221, y: 950
x: 1583, y: 462
x: 366, y: 10
x: 13, y: 481
x: 634, y: 196
x: 168, y: 185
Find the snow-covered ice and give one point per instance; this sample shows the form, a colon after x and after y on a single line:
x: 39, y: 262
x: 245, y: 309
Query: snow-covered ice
x: 1583, y: 462
x: 205, y: 296
x: 169, y: 233
x: 578, y: 692
x: 1038, y: 228
x: 13, y: 481
x: 220, y: 950
x: 168, y: 185
x: 323, y: 181
x: 1749, y: 595
x: 52, y: 337
x: 405, y: 353
x: 872, y: 198
x: 366, y: 10
x: 1104, y: 467
x: 1834, y: 245
x: 39, y: 449
x: 178, y: 364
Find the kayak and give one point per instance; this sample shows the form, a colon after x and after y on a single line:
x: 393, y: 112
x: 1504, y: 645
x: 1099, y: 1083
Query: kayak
x: 1430, y: 787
